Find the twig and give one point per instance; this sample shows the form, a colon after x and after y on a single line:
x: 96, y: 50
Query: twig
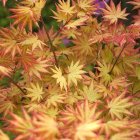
x: 12, y: 81
x: 117, y: 59
x: 52, y: 48
x: 61, y: 28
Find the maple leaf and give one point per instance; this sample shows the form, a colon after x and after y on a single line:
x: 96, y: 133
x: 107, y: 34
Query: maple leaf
x: 9, y: 41
x: 71, y: 76
x: 81, y: 118
x: 75, y: 23
x: 6, y: 106
x: 55, y: 97
x: 87, y: 130
x: 113, y: 14
x: 84, y: 7
x: 68, y: 116
x: 83, y: 45
x: 3, y: 136
x: 60, y: 16
x: 72, y: 98
x: 60, y: 79
x: 126, y: 135
x: 136, y: 3
x: 35, y: 92
x: 35, y: 106
x: 104, y: 72
x: 38, y: 67
x: 4, y: 70
x: 37, y: 126
x: 119, y: 106
x: 114, y: 126
x: 27, y: 14
x: 52, y: 112
x: 118, y: 82
x: 74, y: 72
x: 27, y: 61
x: 33, y: 40
x: 103, y: 90
x: 64, y: 11
x: 23, y: 16
x: 45, y: 126
x: 87, y: 112
x: 65, y: 7
x: 91, y: 93
x: 21, y: 125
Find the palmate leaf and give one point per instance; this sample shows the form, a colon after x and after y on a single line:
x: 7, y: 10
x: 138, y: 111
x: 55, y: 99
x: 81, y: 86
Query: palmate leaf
x: 136, y: 3
x: 35, y: 92
x: 77, y: 22
x: 21, y: 125
x: 60, y: 16
x: 126, y: 135
x: 34, y: 41
x: 104, y: 72
x: 117, y: 83
x: 68, y: 116
x: 35, y: 106
x: 64, y: 11
x: 81, y: 113
x: 85, y: 5
x: 9, y: 41
x: 72, y: 98
x: 55, y: 97
x: 119, y: 106
x: 60, y: 79
x: 86, y: 112
x: 90, y: 93
x: 82, y: 121
x: 65, y: 7
x: 45, y: 126
x: 114, y: 126
x: 6, y: 106
x: 83, y: 45
x: 37, y: 126
x: 4, y: 71
x: 3, y: 136
x: 87, y: 130
x: 113, y: 14
x: 38, y: 67
x: 25, y: 14
x: 73, y: 74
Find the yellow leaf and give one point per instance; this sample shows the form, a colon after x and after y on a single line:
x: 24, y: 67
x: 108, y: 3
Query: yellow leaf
x: 60, y: 79
x: 113, y: 14
x: 74, y: 72
x: 35, y: 92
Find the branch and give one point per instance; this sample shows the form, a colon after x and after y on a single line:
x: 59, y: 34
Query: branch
x: 12, y: 81
x: 117, y: 59
x: 61, y: 28
x: 52, y: 48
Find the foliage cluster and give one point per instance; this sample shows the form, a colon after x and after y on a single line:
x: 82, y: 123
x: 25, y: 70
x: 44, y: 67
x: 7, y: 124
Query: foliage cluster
x: 81, y: 82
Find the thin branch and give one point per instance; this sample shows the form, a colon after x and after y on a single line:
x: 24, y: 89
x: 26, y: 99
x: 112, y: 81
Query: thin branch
x: 12, y: 81
x: 52, y: 48
x: 61, y: 28
x: 117, y: 59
